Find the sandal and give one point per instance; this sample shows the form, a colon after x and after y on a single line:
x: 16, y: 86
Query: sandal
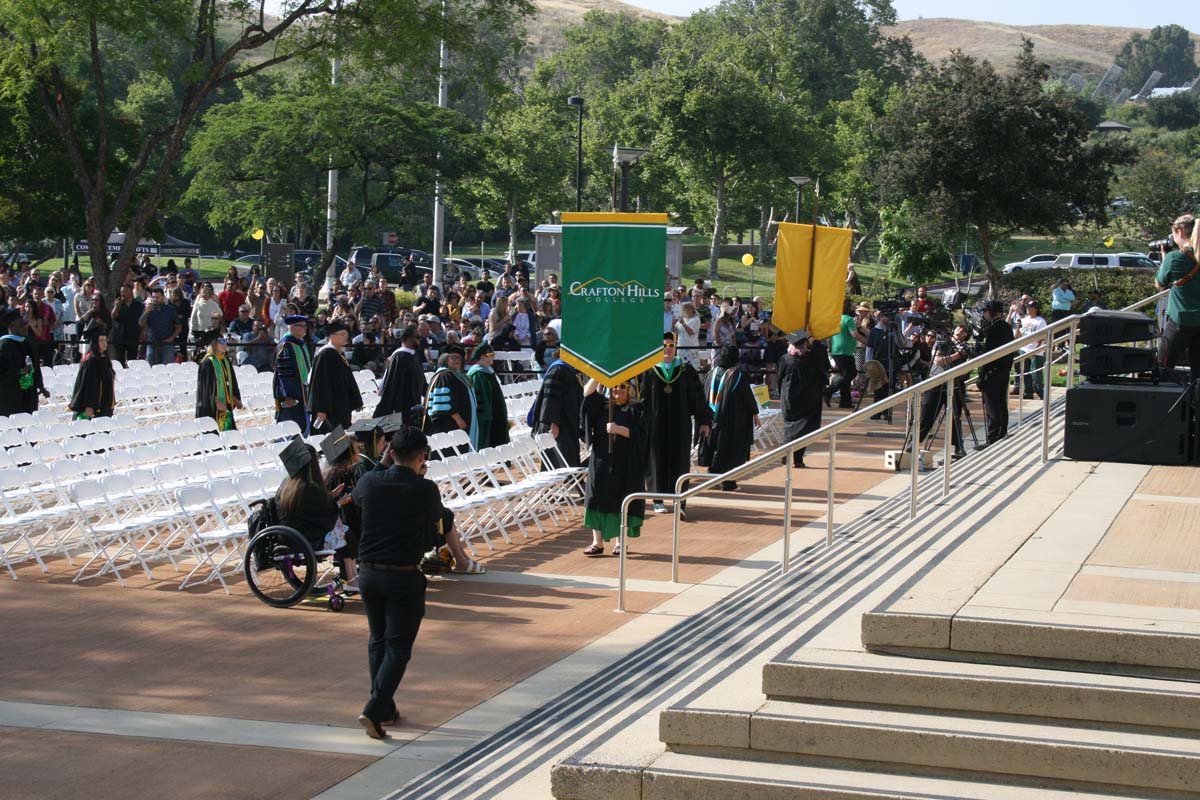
x: 593, y: 550
x: 472, y: 568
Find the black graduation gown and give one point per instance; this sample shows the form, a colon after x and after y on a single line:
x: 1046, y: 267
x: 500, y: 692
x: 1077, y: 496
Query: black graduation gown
x: 446, y: 385
x: 611, y: 477
x: 332, y: 389
x: 13, y: 399
x: 206, y: 389
x: 93, y: 386
x: 732, y: 433
x: 670, y: 409
x: 403, y: 387
x: 559, y: 401
x: 802, y: 381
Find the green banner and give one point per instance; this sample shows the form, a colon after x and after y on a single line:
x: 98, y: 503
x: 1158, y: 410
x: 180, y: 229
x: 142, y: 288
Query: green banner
x: 612, y: 303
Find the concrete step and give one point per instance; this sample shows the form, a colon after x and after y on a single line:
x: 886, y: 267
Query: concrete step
x: 841, y: 676
x: 1021, y: 749
x: 685, y: 776
x: 1165, y: 647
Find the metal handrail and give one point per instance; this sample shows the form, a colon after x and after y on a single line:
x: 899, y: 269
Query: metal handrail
x: 1048, y: 337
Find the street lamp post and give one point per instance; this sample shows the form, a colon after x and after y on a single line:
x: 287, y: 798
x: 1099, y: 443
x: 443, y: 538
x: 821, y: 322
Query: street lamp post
x: 625, y: 158
x: 799, y: 180
x: 577, y: 101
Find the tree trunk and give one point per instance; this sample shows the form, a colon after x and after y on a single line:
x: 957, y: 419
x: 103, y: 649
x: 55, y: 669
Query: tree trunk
x: 859, y: 250
x: 718, y: 229
x: 512, y: 225
x: 766, y: 218
x: 993, y: 275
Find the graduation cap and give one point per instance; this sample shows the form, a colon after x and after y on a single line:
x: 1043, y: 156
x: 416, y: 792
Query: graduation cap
x: 391, y: 424
x: 295, y: 456
x: 295, y: 319
x: 336, y: 445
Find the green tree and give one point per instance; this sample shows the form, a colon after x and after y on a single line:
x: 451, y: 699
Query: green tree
x: 969, y: 147
x: 902, y: 243
x: 523, y: 175
x: 56, y: 52
x: 1175, y: 112
x: 1168, y: 49
x: 716, y: 123
x: 1157, y: 191
x: 858, y: 151
x: 262, y: 162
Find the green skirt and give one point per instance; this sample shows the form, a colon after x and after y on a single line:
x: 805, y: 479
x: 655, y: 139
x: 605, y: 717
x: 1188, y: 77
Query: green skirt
x: 609, y: 524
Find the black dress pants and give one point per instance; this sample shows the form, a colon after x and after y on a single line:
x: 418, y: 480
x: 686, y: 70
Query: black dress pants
x: 395, y: 605
x: 931, y: 404
x: 994, y: 387
x: 849, y: 372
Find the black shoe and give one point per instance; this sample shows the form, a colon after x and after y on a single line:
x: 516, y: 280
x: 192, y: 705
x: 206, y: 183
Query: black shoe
x: 373, y: 728
x: 845, y: 405
x: 728, y: 486
x: 798, y: 463
x: 957, y: 455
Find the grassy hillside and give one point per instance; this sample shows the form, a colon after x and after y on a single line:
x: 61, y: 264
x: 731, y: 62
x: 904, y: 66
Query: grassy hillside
x: 545, y: 28
x: 1086, y: 49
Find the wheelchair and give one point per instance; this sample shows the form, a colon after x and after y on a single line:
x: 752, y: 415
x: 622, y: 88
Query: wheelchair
x: 282, y: 569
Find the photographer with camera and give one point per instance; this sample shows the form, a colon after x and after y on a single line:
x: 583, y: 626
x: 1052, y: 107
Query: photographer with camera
x: 884, y: 345
x: 946, y: 354
x: 993, y: 377
x: 1181, y: 333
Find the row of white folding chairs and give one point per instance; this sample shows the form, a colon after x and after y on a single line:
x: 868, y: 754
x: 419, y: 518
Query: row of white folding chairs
x: 123, y: 438
x: 250, y: 449
x: 521, y: 388
x: 111, y: 517
x: 504, y: 486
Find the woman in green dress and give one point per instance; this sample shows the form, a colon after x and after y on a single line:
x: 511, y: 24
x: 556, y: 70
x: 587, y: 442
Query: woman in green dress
x: 614, y: 475
x: 217, y: 393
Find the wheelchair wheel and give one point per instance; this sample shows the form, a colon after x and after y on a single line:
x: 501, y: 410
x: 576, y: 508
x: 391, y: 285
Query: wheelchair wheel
x: 280, y: 566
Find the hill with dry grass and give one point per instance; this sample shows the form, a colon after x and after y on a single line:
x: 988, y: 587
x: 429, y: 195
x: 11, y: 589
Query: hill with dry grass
x: 553, y: 17
x: 1086, y: 49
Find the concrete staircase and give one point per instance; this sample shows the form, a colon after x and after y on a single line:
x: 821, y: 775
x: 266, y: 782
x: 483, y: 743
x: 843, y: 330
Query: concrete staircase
x: 844, y: 724
x: 903, y: 694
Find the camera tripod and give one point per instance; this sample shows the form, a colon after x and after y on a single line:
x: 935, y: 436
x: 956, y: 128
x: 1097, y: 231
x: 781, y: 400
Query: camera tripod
x: 960, y: 402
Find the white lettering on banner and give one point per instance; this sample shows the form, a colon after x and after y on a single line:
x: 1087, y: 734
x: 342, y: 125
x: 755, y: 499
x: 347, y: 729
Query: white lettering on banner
x: 601, y: 289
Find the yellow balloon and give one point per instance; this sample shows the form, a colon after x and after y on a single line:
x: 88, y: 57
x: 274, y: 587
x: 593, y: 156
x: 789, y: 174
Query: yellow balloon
x: 1109, y: 241
x: 258, y: 234
x: 747, y: 259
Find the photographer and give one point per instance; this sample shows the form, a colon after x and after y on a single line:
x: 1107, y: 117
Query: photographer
x: 1181, y: 333
x: 884, y: 345
x: 993, y: 377
x: 946, y: 354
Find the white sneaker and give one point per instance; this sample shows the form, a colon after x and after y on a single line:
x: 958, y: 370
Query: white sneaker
x: 659, y: 508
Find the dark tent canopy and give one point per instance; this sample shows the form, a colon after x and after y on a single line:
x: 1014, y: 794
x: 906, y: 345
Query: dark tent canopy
x: 149, y: 247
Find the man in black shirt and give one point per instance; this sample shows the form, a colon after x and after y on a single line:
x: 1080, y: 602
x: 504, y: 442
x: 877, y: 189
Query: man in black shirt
x: 993, y: 377
x: 127, y: 316
x: 390, y: 548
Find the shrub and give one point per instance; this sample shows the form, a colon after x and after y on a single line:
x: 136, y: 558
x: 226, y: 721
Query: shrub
x: 1118, y: 287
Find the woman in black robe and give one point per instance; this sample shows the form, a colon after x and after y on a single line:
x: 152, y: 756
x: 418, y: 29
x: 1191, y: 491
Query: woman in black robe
x: 556, y: 411
x: 217, y: 392
x: 93, y: 394
x: 20, y: 370
x: 735, y: 416
x: 613, y: 475
x: 803, y: 373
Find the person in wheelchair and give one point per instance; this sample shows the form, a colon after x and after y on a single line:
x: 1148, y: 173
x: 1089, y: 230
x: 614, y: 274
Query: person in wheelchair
x: 303, y: 501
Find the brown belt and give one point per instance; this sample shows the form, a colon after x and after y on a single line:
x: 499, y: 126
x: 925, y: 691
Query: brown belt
x: 389, y: 567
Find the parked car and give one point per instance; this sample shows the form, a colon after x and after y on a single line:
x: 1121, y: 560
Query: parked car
x: 495, y: 266
x: 1039, y: 261
x: 1136, y: 261
x: 1086, y: 261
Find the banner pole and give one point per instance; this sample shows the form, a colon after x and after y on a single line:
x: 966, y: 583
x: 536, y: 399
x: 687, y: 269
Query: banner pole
x: 812, y: 253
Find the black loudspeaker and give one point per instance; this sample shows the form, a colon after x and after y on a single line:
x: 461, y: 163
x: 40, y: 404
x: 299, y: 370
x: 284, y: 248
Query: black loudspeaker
x: 1131, y: 424
x: 1114, y: 327
x: 1099, y: 361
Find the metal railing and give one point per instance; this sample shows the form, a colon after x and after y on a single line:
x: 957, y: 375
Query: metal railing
x: 1062, y: 331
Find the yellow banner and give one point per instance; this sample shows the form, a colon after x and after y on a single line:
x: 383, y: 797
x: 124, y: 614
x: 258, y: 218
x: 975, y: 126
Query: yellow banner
x: 613, y: 218
x: 792, y: 268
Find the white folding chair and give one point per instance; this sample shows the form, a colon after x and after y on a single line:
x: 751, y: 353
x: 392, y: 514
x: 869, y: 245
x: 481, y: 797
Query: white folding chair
x: 214, y: 544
